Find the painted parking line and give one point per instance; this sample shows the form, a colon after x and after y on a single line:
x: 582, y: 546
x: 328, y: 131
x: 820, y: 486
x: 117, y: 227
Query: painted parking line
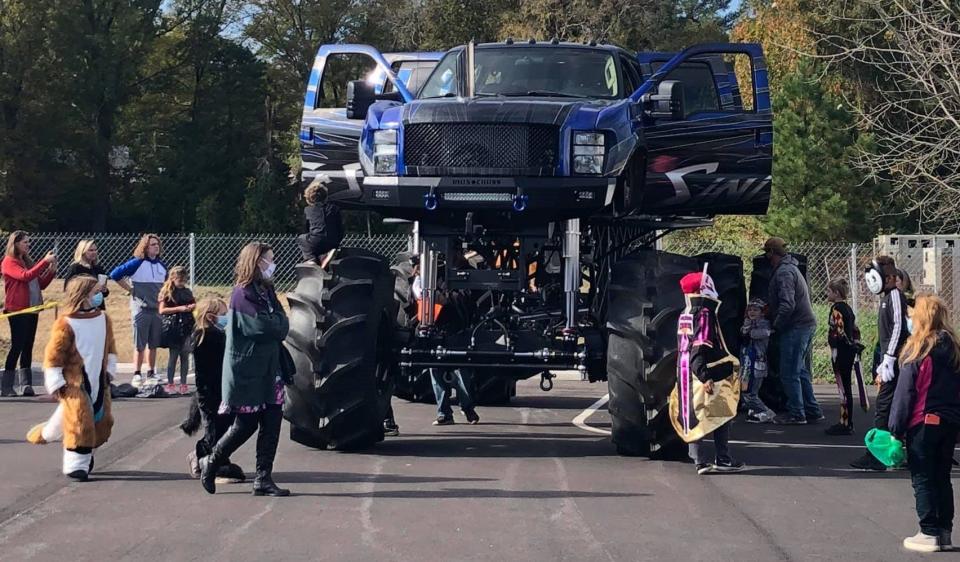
x: 581, y: 422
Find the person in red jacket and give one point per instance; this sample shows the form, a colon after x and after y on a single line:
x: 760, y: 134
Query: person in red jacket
x: 23, y: 281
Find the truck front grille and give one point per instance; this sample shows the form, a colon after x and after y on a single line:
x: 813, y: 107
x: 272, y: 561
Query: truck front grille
x: 480, y: 149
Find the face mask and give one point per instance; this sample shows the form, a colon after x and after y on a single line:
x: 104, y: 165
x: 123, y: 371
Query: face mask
x: 873, y: 279
x: 910, y: 325
x: 222, y: 321
x: 96, y: 301
x: 268, y: 272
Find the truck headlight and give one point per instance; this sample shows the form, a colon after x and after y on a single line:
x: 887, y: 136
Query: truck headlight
x: 385, y: 151
x: 589, y: 151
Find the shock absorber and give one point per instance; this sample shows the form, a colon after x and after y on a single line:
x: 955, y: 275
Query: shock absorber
x: 571, y: 272
x: 428, y: 281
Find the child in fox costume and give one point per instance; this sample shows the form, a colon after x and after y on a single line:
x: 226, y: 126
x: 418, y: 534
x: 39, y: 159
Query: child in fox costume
x: 79, y: 363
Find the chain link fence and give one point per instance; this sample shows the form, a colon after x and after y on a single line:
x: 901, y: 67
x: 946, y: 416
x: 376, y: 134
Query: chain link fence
x: 933, y: 264
x: 209, y: 258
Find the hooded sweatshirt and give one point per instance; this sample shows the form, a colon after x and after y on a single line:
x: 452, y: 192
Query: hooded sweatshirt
x: 929, y: 385
x: 789, y: 297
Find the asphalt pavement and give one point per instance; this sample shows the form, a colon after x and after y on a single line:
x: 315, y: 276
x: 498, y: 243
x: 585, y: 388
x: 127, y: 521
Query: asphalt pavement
x: 524, y: 484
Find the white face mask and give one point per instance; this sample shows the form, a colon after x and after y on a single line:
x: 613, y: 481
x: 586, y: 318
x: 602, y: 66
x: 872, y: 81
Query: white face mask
x: 873, y: 280
x: 268, y: 271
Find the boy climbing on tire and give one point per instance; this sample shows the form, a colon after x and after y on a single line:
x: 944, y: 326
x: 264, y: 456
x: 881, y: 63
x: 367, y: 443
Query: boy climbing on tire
x: 324, y: 223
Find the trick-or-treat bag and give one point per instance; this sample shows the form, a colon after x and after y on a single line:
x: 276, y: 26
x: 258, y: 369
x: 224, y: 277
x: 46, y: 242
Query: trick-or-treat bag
x: 888, y: 449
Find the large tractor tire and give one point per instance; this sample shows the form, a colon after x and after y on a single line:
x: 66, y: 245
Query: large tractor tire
x: 411, y: 385
x: 645, y: 302
x: 341, y: 338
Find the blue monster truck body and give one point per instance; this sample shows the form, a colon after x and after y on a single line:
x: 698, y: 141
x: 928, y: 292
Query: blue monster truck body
x: 539, y: 177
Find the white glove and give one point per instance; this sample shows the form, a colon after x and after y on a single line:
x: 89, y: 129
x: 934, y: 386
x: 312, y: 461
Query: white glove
x: 886, y: 371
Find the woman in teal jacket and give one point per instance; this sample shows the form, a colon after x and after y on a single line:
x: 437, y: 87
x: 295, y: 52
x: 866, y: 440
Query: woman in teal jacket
x: 252, y: 385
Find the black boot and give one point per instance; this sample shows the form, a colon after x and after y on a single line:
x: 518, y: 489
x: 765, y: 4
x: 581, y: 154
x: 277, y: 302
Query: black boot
x: 6, y: 384
x: 267, y: 441
x: 26, y: 382
x: 241, y: 430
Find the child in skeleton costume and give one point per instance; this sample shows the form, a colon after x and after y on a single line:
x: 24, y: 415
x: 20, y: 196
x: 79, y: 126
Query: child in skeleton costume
x: 704, y: 399
x: 79, y: 363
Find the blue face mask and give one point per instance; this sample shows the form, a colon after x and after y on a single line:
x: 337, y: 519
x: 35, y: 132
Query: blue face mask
x: 96, y: 301
x: 222, y: 321
x: 910, y: 324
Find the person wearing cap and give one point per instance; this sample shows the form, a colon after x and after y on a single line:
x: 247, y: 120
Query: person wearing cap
x: 704, y: 398
x: 755, y: 335
x: 323, y: 223
x: 792, y: 317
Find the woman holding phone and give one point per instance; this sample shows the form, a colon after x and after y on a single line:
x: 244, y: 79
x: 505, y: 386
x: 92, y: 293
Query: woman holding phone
x: 23, y: 281
x: 86, y: 262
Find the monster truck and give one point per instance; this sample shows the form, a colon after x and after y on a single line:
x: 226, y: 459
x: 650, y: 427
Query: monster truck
x: 538, y: 177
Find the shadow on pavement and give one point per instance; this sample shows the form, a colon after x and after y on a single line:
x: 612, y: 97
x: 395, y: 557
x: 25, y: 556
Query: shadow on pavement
x: 138, y: 475
x: 504, y: 445
x: 346, y: 477
x: 457, y: 493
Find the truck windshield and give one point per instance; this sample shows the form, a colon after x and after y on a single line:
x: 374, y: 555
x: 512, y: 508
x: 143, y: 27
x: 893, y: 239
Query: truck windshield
x: 529, y: 71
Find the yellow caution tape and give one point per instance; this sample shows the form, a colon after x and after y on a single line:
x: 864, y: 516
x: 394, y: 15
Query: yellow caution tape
x: 31, y: 310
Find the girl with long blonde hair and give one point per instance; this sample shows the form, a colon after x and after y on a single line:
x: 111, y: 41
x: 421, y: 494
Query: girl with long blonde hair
x: 209, y: 343
x: 926, y: 413
x: 176, y: 303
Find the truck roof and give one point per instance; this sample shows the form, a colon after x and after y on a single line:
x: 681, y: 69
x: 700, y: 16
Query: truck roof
x: 511, y: 43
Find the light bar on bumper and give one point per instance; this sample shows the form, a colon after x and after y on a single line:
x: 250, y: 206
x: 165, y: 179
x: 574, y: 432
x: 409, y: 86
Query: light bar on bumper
x: 589, y: 151
x: 385, y: 151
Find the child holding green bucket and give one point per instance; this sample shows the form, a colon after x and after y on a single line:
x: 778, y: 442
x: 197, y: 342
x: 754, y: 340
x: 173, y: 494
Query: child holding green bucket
x: 926, y: 414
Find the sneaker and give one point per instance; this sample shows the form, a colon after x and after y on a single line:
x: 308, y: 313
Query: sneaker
x: 444, y: 420
x: 184, y: 389
x: 472, y: 417
x: 760, y: 417
x: 137, y: 380
x: 704, y: 468
x: 816, y: 419
x: 193, y: 464
x: 922, y: 543
x: 729, y: 466
x: 27, y: 391
x: 946, y: 543
x: 787, y: 419
x: 839, y: 429
x: 868, y: 462
x: 391, y: 430
x: 151, y: 379
x: 170, y: 388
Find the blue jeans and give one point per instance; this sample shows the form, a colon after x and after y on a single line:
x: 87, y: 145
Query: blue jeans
x: 721, y: 439
x: 462, y: 380
x: 796, y: 358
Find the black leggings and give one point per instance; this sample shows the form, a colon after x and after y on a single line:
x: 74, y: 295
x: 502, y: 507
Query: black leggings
x: 842, y: 371
x: 23, y: 331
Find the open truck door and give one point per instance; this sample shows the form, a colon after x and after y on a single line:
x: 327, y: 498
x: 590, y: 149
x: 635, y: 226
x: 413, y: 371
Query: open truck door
x: 335, y: 106
x: 708, y: 138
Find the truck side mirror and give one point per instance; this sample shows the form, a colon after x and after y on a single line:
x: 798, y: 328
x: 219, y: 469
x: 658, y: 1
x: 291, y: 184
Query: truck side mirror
x: 667, y: 103
x: 360, y: 96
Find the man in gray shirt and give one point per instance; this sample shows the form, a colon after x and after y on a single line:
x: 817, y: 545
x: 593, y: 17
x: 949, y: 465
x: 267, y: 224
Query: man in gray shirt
x: 793, y: 321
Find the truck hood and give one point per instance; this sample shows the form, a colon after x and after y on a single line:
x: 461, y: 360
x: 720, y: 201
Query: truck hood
x: 547, y: 111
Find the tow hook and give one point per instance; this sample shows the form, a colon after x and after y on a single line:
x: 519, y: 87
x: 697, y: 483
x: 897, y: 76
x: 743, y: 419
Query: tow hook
x: 546, y: 381
x: 520, y: 202
x: 430, y: 200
